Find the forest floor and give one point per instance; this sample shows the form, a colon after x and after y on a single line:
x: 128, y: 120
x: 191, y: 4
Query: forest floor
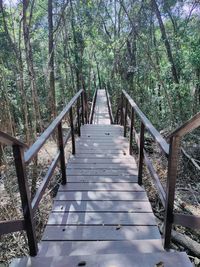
x: 15, y: 245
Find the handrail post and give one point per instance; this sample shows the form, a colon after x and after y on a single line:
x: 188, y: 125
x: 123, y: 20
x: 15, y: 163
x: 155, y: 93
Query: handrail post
x: 125, y: 116
x: 170, y: 188
x: 18, y: 154
x: 141, y: 153
x: 121, y: 109
x: 131, y: 132
x: 62, y: 153
x: 72, y: 131
x: 78, y: 118
x: 82, y: 107
x: 86, y: 111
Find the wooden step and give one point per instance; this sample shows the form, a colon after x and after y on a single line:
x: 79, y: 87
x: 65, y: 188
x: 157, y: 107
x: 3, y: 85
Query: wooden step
x: 102, y: 178
x: 101, y: 218
x: 101, y: 172
x: 167, y: 259
x: 70, y: 248
x: 114, y: 161
x: 101, y: 187
x: 101, y: 195
x: 102, y: 206
x: 101, y: 166
x: 106, y: 233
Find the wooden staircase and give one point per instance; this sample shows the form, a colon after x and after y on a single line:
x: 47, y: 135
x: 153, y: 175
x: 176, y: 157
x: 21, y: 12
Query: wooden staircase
x: 102, y: 217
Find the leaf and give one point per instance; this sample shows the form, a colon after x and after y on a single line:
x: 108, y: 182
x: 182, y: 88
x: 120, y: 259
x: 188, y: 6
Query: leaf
x: 159, y: 264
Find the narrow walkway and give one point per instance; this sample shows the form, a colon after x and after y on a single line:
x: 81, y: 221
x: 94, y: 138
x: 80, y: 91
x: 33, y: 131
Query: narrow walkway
x: 101, y: 114
x: 102, y: 217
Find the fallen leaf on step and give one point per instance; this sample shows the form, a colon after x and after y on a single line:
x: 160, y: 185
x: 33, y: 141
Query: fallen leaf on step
x: 159, y: 264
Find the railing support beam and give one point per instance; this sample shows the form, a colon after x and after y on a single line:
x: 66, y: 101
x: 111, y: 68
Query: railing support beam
x: 18, y: 154
x: 131, y: 132
x: 171, y: 185
x: 141, y: 154
x: 72, y: 131
x: 125, y: 116
x: 62, y: 153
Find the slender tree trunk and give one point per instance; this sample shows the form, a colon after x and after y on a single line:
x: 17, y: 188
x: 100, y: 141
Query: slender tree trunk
x: 31, y: 72
x: 166, y: 42
x: 52, y: 95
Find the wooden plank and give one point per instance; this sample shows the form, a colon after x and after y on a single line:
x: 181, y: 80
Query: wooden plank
x: 7, y: 227
x: 102, y: 146
x: 101, y: 178
x: 63, y: 248
x: 102, y: 206
x: 117, y: 152
x: 101, y: 172
x: 106, y: 139
x: 115, y: 126
x: 101, y: 187
x: 100, y: 233
x: 101, y: 195
x: 104, y: 155
x: 172, y: 259
x: 101, y: 218
x: 107, y: 161
x: 122, y: 160
x: 98, y: 166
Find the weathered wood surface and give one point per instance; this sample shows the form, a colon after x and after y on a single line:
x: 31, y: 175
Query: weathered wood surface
x: 101, y: 113
x: 101, y: 200
x: 101, y: 178
x: 103, y: 218
x: 99, y: 195
x: 133, y: 259
x: 102, y: 206
x: 102, y: 232
x: 101, y: 187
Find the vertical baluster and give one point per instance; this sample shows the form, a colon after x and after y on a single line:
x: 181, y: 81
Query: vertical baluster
x: 82, y: 107
x: 131, y: 132
x: 78, y: 118
x: 72, y: 131
x: 62, y: 153
x: 171, y: 184
x: 141, y: 154
x: 121, y: 110
x: 86, y: 108
x: 125, y: 116
x: 18, y: 154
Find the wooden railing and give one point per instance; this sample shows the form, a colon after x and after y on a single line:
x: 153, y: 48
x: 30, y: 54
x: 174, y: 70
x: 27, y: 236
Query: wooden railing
x: 93, y: 107
x: 109, y: 107
x: 126, y: 113
x: 23, y: 157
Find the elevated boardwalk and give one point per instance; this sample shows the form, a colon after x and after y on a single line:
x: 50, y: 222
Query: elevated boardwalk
x: 102, y: 217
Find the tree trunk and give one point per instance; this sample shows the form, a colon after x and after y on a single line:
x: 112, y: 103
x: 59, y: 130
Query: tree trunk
x: 166, y: 42
x: 29, y: 60
x: 52, y: 95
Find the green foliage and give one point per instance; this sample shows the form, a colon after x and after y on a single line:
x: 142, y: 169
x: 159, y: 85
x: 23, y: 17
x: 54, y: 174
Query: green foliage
x: 109, y: 43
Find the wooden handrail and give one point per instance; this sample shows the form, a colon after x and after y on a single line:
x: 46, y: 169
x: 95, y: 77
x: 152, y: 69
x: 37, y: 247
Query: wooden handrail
x: 109, y: 106
x: 9, y: 140
x: 7, y: 227
x: 93, y: 107
x: 21, y: 157
x: 32, y: 151
x: 187, y: 127
x: 148, y: 125
x: 171, y: 150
